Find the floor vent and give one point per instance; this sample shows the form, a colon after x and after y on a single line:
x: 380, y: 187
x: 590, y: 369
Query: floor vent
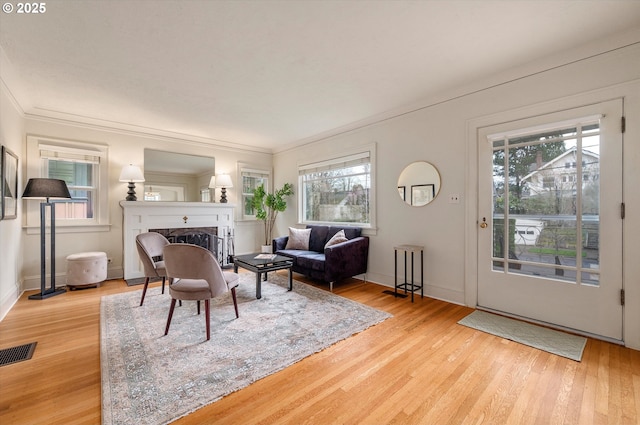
x: 17, y: 354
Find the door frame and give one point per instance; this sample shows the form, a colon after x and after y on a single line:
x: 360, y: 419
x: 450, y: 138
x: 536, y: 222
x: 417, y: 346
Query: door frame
x: 472, y: 219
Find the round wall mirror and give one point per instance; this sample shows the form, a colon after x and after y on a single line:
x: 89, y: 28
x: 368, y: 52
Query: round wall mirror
x: 419, y: 183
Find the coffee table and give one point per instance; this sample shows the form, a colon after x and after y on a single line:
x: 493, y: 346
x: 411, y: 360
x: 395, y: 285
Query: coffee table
x: 260, y: 265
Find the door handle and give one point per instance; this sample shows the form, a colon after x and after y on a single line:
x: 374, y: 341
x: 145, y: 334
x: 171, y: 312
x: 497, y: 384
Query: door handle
x: 484, y: 223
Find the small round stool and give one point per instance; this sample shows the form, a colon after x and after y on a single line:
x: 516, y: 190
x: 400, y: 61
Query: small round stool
x: 86, y: 269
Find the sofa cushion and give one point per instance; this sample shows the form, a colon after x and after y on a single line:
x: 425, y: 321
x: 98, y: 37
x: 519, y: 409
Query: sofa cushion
x: 336, y: 239
x: 318, y: 237
x: 298, y: 239
x: 349, y: 232
x: 311, y: 261
x: 294, y: 254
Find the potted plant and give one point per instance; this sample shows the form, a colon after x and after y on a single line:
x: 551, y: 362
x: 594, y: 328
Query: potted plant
x: 267, y: 206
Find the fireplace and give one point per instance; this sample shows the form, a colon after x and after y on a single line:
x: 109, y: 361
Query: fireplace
x: 210, y: 225
x: 205, y: 237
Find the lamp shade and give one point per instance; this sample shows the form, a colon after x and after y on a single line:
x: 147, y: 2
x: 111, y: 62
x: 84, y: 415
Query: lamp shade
x: 46, y: 188
x: 212, y: 182
x: 224, y: 180
x: 131, y: 173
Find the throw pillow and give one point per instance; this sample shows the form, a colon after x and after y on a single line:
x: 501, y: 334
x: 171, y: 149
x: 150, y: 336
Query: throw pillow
x: 298, y: 239
x: 336, y: 239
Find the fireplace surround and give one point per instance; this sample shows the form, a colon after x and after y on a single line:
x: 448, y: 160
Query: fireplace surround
x: 200, y: 222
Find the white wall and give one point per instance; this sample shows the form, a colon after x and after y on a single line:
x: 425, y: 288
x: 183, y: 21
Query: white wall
x: 124, y: 148
x: 12, y: 137
x: 439, y: 133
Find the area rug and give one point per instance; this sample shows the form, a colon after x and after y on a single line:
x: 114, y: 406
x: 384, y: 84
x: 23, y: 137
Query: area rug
x: 149, y: 378
x: 555, y: 342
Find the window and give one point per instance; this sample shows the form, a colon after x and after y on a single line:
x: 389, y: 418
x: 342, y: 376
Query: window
x: 251, y: 179
x: 338, y: 190
x: 83, y: 167
x: 548, y: 182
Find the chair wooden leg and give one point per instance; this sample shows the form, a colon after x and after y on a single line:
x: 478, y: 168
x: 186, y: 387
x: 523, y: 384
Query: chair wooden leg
x: 235, y: 301
x: 198, y: 306
x: 207, y: 315
x: 163, y: 280
x: 144, y: 290
x: 173, y: 305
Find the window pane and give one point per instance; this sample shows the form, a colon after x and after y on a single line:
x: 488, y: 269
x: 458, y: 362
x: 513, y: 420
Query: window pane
x: 79, y: 179
x: 338, y: 195
x: 546, y: 205
x: 591, y: 208
x: 73, y: 173
x: 499, y: 194
x: 250, y: 182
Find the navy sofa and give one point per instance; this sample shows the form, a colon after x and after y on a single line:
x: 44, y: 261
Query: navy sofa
x: 336, y: 262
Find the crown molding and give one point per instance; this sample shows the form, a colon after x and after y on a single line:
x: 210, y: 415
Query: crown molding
x: 91, y: 123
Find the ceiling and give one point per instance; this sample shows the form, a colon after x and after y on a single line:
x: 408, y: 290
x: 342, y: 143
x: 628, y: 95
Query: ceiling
x: 269, y: 74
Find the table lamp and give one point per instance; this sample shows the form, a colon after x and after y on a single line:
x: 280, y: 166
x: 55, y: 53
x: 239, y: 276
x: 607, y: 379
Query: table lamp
x: 223, y: 181
x: 131, y: 174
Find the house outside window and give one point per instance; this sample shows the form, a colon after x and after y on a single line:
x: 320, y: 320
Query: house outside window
x: 338, y: 190
x: 83, y: 168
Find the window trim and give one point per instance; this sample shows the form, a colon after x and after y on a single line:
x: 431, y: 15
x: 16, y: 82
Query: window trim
x: 99, y: 152
x: 345, y: 157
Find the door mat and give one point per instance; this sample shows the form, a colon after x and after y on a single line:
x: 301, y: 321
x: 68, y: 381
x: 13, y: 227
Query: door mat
x: 549, y: 340
x: 17, y: 354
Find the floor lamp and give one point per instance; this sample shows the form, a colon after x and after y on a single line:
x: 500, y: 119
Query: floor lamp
x: 39, y: 189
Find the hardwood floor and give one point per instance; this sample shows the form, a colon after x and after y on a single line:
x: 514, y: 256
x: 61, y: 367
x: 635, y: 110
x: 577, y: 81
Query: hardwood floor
x: 418, y: 367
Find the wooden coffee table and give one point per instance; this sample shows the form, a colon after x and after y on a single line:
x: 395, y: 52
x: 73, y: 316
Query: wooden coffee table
x: 261, y: 266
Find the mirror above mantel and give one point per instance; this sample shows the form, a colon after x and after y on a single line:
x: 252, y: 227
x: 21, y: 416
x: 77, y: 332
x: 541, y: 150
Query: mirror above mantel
x: 419, y: 183
x: 177, y: 177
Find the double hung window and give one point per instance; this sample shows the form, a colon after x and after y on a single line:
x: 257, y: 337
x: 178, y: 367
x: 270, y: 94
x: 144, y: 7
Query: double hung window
x: 83, y: 168
x: 251, y: 179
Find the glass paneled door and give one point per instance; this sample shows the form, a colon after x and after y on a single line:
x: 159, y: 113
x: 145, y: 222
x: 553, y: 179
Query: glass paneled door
x: 550, y: 229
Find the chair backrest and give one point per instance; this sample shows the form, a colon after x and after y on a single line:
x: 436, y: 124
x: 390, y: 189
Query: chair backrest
x: 187, y: 261
x: 150, y: 245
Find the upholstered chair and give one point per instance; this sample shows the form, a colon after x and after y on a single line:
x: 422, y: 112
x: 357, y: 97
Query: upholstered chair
x: 150, y: 246
x: 194, y: 274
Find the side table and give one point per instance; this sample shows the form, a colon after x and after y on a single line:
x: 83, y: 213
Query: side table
x: 409, y: 286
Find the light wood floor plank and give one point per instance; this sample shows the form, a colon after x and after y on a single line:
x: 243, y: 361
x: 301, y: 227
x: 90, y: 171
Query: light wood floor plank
x: 419, y: 367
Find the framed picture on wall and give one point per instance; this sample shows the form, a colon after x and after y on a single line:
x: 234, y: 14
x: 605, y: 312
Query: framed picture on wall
x: 422, y: 194
x: 402, y: 191
x: 9, y: 182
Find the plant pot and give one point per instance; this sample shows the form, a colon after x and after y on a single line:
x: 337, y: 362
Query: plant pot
x: 267, y: 249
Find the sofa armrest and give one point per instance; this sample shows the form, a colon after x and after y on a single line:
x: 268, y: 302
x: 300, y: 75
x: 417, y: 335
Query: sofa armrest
x: 346, y: 259
x: 279, y: 243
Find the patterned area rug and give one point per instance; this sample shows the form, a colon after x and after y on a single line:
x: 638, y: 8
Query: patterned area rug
x: 555, y: 342
x: 149, y: 378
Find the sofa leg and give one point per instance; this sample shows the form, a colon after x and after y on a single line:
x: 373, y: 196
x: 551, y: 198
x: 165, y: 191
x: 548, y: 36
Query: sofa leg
x: 331, y: 286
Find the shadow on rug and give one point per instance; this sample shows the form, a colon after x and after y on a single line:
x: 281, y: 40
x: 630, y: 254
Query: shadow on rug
x: 555, y: 342
x: 149, y: 378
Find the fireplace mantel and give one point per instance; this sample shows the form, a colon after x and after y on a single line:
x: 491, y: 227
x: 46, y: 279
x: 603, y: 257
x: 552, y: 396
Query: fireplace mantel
x: 140, y: 216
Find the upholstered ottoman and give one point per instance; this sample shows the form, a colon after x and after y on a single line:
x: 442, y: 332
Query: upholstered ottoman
x: 86, y: 269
